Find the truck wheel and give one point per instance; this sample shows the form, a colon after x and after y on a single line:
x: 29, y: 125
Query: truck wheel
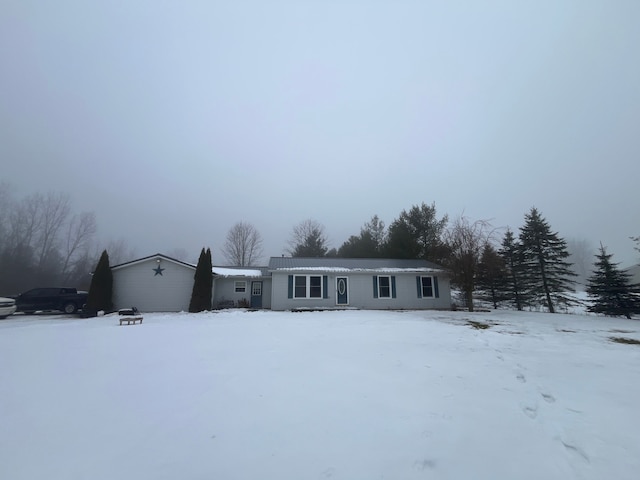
x: 69, y: 308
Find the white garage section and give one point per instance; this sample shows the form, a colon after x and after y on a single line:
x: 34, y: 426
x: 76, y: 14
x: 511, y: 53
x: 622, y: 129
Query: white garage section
x: 153, y: 284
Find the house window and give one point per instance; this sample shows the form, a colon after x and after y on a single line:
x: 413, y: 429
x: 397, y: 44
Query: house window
x: 384, y: 287
x: 315, y: 287
x: 240, y: 287
x: 307, y: 286
x: 426, y: 284
x: 300, y: 287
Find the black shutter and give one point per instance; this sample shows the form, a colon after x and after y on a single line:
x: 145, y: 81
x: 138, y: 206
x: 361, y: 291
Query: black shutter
x: 419, y: 285
x: 290, y: 290
x: 393, y: 287
x: 375, y: 287
x: 435, y: 287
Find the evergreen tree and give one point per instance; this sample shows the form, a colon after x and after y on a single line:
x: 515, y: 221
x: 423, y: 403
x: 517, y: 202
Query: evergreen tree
x: 361, y: 246
x: 376, y: 229
x: 637, y: 241
x: 308, y: 240
x: 514, y: 282
x: 492, y: 281
x: 202, y: 284
x: 313, y: 246
x: 610, y: 290
x: 417, y: 234
x: 101, y: 289
x: 401, y: 242
x: 547, y: 274
x: 368, y: 244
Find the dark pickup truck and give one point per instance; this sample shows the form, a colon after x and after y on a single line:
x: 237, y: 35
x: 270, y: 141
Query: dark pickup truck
x: 67, y: 300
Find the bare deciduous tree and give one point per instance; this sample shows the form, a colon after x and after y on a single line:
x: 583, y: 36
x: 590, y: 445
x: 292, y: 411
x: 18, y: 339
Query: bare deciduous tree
x: 5, y: 208
x: 243, y: 246
x: 77, y: 242
x: 465, y: 242
x: 40, y: 242
x: 53, y: 209
x: 119, y: 252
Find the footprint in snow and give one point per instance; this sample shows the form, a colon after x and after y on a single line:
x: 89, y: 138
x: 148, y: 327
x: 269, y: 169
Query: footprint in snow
x: 548, y: 397
x: 521, y: 378
x: 576, y: 450
x: 531, y: 412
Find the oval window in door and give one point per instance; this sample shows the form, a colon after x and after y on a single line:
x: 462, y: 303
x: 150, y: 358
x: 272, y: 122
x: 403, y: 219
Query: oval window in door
x: 342, y: 286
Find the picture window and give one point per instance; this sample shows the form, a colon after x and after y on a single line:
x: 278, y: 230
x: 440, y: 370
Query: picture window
x: 307, y: 286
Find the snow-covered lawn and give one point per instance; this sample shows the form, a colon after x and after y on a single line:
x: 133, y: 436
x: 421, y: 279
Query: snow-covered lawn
x: 343, y: 395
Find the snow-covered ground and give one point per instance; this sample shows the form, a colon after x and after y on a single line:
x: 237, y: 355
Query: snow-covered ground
x: 342, y: 395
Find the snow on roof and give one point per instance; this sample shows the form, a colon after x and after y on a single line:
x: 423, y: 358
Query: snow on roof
x: 355, y: 269
x: 338, y: 264
x: 236, y: 272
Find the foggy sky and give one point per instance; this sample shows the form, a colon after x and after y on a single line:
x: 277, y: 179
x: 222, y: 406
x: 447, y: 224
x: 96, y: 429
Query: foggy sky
x: 174, y: 120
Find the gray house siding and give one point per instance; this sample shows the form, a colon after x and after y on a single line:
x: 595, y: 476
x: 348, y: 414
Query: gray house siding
x: 138, y: 285
x: 267, y: 288
x: 162, y: 284
x: 361, y: 291
x: 224, y: 289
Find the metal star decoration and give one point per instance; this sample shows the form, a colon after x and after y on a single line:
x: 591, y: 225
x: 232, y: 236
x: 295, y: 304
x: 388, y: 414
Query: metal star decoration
x: 158, y: 270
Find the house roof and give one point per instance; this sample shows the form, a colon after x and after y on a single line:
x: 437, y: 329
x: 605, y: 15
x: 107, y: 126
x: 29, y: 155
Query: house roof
x: 337, y: 264
x: 240, y: 271
x: 220, y: 271
x: 325, y: 264
x: 156, y: 256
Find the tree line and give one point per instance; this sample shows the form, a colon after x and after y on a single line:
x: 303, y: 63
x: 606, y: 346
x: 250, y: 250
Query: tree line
x: 530, y: 270
x: 44, y: 242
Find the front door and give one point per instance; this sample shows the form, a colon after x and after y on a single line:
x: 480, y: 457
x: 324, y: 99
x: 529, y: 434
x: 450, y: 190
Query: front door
x: 256, y: 294
x: 342, y: 290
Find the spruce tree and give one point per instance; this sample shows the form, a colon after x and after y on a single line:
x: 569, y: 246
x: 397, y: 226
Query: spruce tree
x: 547, y: 274
x: 514, y: 282
x: 308, y: 240
x: 202, y: 284
x: 101, y: 289
x: 493, y: 278
x: 368, y: 244
x: 610, y: 290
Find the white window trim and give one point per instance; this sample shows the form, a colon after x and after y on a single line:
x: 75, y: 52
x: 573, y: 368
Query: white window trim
x: 240, y: 286
x: 433, y: 288
x: 308, y: 287
x: 390, y: 288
